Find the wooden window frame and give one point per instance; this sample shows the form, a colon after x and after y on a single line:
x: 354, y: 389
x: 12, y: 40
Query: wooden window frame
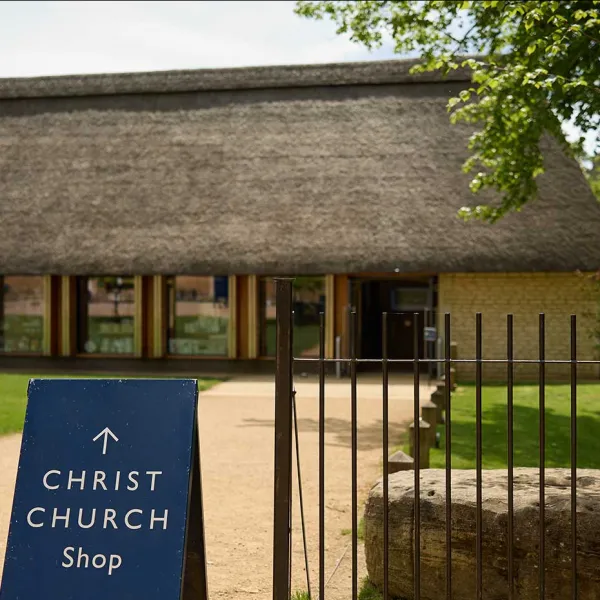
x: 70, y: 315
x: 254, y: 308
x: 161, y: 337
x: 46, y: 318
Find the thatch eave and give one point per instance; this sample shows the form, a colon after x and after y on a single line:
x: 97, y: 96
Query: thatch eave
x: 240, y: 78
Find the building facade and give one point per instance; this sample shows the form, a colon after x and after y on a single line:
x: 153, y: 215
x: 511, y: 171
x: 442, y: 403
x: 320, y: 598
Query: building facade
x: 144, y: 217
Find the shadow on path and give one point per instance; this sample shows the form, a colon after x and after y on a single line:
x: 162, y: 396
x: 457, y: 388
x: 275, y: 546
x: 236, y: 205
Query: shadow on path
x: 369, y: 436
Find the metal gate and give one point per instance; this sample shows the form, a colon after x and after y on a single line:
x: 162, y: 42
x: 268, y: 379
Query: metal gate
x: 284, y: 437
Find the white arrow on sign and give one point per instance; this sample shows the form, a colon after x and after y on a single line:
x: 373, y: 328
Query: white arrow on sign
x: 106, y: 432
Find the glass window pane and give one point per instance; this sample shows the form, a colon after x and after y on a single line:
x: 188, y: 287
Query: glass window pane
x: 409, y: 299
x: 267, y: 315
x: 308, y: 303
x: 198, y: 315
x: 106, y: 307
x: 21, y: 314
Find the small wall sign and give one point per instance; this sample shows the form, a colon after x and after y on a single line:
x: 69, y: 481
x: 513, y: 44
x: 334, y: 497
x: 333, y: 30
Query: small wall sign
x: 430, y: 334
x: 108, y: 501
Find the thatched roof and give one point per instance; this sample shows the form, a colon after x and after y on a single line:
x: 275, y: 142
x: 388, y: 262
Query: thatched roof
x: 328, y: 168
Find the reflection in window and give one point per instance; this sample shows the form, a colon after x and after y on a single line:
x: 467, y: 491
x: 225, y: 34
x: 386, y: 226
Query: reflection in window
x: 309, y: 302
x: 198, y: 315
x: 406, y: 299
x: 105, y: 315
x: 21, y: 314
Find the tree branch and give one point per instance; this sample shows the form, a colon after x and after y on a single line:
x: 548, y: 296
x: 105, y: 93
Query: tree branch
x: 590, y: 37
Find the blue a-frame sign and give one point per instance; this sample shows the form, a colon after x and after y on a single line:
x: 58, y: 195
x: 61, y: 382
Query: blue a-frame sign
x: 108, y: 501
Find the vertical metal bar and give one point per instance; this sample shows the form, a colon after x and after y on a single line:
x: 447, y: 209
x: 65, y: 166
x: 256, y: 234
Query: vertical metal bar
x: 322, y: 457
x: 432, y: 354
x: 291, y: 522
x: 354, y: 426
x: 573, y: 457
x: 291, y: 537
x: 479, y: 450
x: 385, y: 372
x: 300, y: 493
x: 291, y: 547
x: 283, y: 440
x: 425, y: 342
x: 542, y: 417
x: 447, y: 364
x: 417, y: 457
x: 510, y: 392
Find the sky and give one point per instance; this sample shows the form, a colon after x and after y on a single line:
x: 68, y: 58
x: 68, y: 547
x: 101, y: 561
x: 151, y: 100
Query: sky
x: 61, y: 38
x: 57, y: 38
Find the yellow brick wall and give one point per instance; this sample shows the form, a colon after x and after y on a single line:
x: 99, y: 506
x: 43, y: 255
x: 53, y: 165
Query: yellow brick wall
x: 525, y: 295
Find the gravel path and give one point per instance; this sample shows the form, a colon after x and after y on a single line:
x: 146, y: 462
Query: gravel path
x: 236, y: 437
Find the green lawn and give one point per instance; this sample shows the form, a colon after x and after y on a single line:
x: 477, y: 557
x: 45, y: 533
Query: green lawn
x: 367, y: 591
x: 526, y: 427
x: 13, y: 397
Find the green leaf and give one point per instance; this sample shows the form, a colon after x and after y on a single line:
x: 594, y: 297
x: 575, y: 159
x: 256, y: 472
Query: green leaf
x: 540, y: 70
x: 453, y: 102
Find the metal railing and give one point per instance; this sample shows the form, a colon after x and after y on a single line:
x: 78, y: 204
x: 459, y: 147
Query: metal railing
x: 283, y: 448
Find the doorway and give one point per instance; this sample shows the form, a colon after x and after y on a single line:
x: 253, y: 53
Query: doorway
x: 410, y: 307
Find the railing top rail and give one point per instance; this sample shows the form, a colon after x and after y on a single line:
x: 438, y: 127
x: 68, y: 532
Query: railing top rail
x: 503, y: 361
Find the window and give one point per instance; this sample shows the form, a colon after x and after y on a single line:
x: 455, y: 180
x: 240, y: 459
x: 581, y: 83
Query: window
x: 198, y: 315
x: 105, y: 315
x: 408, y: 299
x: 21, y: 314
x: 308, y: 303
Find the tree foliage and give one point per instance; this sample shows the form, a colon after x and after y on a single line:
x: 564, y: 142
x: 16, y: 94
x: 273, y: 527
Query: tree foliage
x: 534, y: 66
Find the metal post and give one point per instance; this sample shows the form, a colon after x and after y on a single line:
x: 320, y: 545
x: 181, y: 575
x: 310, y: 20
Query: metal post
x: 479, y: 455
x: 542, y: 424
x: 426, y: 343
x: 322, y: 452
x: 448, y: 436
x: 386, y: 436
x: 511, y: 453
x: 283, y: 440
x: 354, y: 453
x: 573, y: 457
